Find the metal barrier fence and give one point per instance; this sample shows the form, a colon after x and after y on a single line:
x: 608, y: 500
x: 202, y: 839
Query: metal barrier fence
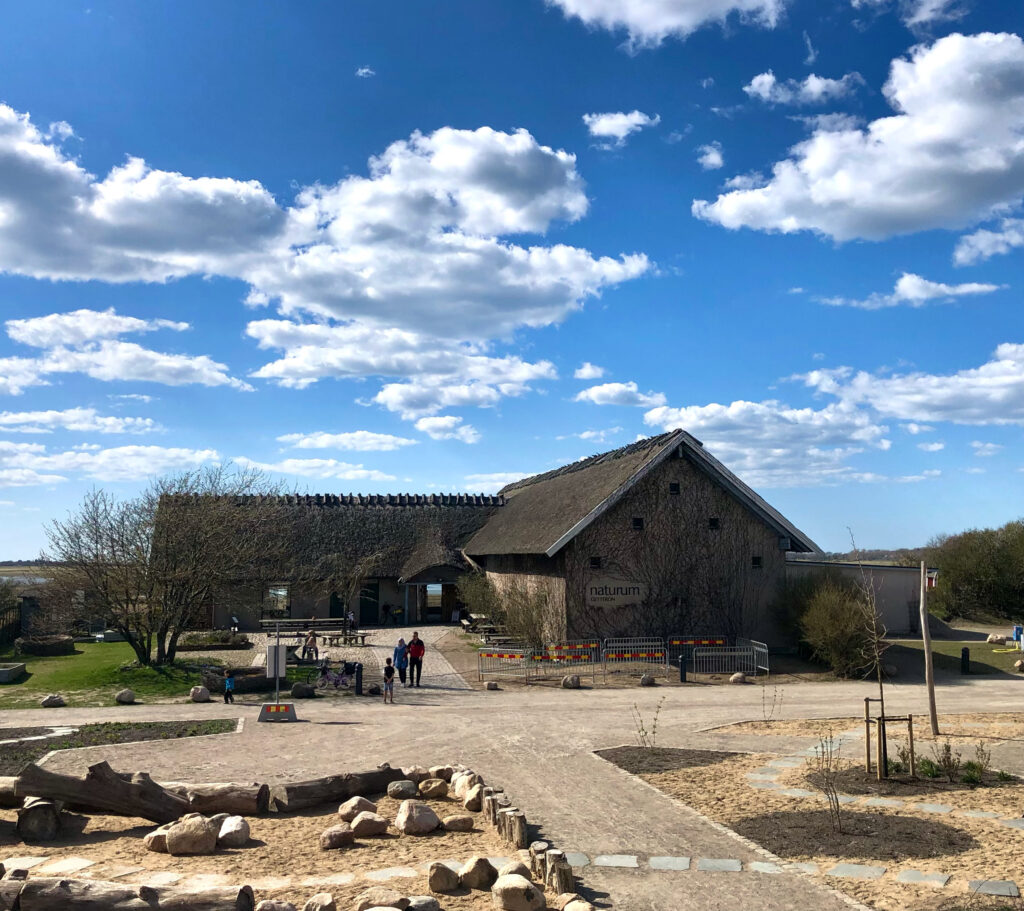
x: 743, y: 658
x: 760, y: 654
x: 684, y: 645
x: 580, y: 656
x: 635, y: 656
x: 509, y: 662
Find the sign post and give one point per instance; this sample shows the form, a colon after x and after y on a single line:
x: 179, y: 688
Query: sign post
x: 926, y: 641
x: 277, y: 665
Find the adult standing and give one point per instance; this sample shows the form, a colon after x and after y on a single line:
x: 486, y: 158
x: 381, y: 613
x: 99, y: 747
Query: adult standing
x: 416, y: 651
x: 401, y: 659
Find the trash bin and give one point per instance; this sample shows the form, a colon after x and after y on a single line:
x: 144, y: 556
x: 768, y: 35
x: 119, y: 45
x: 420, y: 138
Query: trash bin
x: 1018, y: 633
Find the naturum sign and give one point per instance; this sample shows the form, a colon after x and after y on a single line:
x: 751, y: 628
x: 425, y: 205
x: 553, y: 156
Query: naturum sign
x: 609, y: 592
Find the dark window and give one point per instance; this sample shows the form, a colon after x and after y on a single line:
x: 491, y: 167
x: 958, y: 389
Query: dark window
x: 673, y: 487
x: 595, y: 562
x: 638, y: 524
x: 755, y: 562
x: 714, y: 523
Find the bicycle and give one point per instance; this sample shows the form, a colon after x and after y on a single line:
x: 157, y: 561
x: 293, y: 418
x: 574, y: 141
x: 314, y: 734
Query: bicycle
x: 323, y: 676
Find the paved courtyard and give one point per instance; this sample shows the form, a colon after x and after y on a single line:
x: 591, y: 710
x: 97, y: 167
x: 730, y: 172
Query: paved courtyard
x: 643, y: 851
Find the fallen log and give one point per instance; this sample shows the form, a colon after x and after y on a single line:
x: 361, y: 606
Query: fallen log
x: 285, y: 798
x: 8, y: 798
x: 39, y: 819
x: 104, y: 791
x: 10, y: 889
x: 96, y: 895
x: 226, y: 797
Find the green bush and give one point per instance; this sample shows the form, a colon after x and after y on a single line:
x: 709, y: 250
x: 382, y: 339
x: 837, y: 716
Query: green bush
x: 834, y: 626
x: 1003, y: 775
x: 970, y: 776
x: 213, y: 638
x: 928, y: 769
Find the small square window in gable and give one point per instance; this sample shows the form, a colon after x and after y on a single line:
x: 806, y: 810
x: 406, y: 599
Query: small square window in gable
x: 714, y: 524
x: 638, y: 524
x: 673, y: 488
x: 755, y: 562
x: 595, y: 562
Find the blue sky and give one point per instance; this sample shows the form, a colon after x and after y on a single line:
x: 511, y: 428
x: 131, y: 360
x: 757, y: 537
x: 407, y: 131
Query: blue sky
x: 388, y: 247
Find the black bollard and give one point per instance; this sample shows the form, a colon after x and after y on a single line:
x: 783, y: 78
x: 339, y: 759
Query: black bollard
x: 359, y: 679
x: 682, y: 668
x: 965, y: 660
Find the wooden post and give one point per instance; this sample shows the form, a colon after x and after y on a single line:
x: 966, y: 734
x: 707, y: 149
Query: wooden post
x: 517, y: 831
x: 881, y: 735
x: 910, y: 736
x: 926, y: 639
x: 538, y: 852
x: 867, y: 734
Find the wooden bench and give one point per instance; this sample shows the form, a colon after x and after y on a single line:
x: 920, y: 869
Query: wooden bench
x: 466, y: 626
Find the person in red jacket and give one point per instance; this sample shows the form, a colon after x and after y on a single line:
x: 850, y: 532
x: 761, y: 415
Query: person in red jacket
x: 416, y: 652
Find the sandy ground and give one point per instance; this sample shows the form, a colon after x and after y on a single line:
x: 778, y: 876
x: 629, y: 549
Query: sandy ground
x: 799, y: 830
x: 281, y: 846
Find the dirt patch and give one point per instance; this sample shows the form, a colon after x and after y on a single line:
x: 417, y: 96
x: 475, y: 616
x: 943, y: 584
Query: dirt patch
x: 993, y: 727
x: 798, y: 829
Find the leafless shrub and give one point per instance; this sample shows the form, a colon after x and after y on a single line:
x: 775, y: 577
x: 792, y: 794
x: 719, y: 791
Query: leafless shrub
x: 826, y: 766
x: 947, y: 759
x: 644, y: 738
x: 771, y: 705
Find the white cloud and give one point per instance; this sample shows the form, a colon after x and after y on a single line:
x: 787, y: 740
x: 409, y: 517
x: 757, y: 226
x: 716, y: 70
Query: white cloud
x: 707, y: 82
x: 812, y: 53
x: 918, y: 14
x: 773, y: 444
x: 593, y: 436
x: 354, y: 440
x: 812, y: 90
x: 931, y: 447
x: 616, y: 126
x: 82, y: 420
x: 25, y: 464
x: 914, y: 291
x: 649, y: 22
x: 81, y: 326
x: 981, y: 470
x: 588, y: 371
x: 447, y: 427
x: 710, y: 157
x: 26, y: 477
x: 492, y: 483
x: 321, y: 469
x: 365, y: 72
x: 915, y: 429
x: 984, y: 450
x: 620, y: 394
x: 990, y: 394
x: 948, y: 157
x: 984, y: 243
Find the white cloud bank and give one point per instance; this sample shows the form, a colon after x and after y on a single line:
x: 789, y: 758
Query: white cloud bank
x: 620, y: 394
x: 949, y: 156
x: 710, y: 156
x: 354, y: 440
x: 985, y: 242
x: 588, y: 371
x: 81, y: 420
x: 812, y: 90
x: 493, y: 482
x: 448, y: 427
x: 321, y: 469
x: 913, y: 291
x: 617, y: 126
x: 649, y: 22
x: 27, y: 464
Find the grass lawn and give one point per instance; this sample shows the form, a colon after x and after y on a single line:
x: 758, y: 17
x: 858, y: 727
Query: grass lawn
x: 985, y: 658
x: 92, y: 676
x: 15, y: 756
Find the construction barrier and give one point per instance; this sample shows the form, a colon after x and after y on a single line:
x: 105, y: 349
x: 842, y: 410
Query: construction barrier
x: 760, y: 654
x: 507, y: 662
x: 746, y: 657
x: 580, y: 656
x: 635, y: 656
x: 684, y: 645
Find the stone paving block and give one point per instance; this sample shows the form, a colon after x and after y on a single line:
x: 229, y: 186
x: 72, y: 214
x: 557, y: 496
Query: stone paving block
x: 719, y: 865
x: 64, y: 865
x: 669, y: 863
x: 930, y: 807
x: 763, y: 866
x: 338, y: 879
x: 1004, y: 887
x: 882, y: 802
x: 856, y: 871
x: 1012, y: 823
x: 616, y: 860
x: 23, y: 863
x: 169, y: 879
x: 845, y: 799
x: 766, y: 770
x: 924, y: 879
x: 797, y: 792
x: 978, y: 814
x: 788, y: 762
x: 388, y: 873
x: 762, y: 776
x: 808, y: 866
x: 499, y: 862
x: 765, y: 785
x: 120, y: 872
x: 207, y: 880
x: 576, y: 859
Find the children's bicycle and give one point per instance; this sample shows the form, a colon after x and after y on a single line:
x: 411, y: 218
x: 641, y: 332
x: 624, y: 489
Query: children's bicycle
x: 323, y: 677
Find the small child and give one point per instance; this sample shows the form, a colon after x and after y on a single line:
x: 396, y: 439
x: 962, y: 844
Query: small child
x: 229, y: 687
x: 389, y: 681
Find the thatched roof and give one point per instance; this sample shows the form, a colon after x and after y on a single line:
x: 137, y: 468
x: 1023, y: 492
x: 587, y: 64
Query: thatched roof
x: 544, y: 512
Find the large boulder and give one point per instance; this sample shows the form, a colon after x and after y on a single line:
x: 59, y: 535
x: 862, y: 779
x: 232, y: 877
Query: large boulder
x: 458, y: 823
x: 581, y: 904
x: 571, y: 682
x: 491, y: 685
x: 1019, y: 664
x: 423, y: 903
x: 352, y: 807
x: 322, y: 901
x: 474, y: 799
x: 441, y: 878
x: 416, y: 773
x: 337, y: 837
x: 157, y: 839
x: 462, y: 782
x: 367, y: 825
x: 274, y: 904
x: 199, y: 694
x: 303, y: 691
x: 403, y: 790
x: 380, y: 897
x: 738, y: 677
x: 996, y: 639
x: 125, y: 697
x: 647, y: 680
x: 560, y: 901
x: 53, y: 701
x: 234, y: 833
x: 444, y: 772
x: 416, y: 818
x: 192, y: 834
x: 515, y: 868
x: 478, y: 873
x: 516, y: 893
x: 434, y: 788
